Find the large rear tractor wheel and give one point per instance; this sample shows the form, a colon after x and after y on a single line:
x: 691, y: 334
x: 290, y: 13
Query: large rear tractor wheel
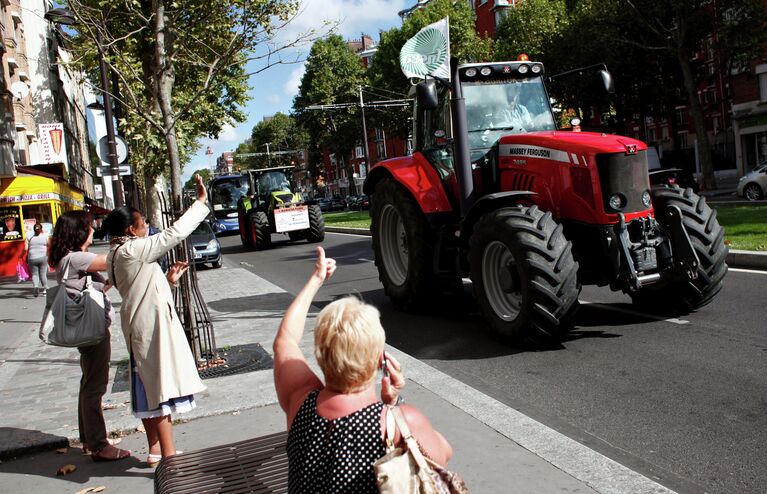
x: 403, y: 244
x: 707, y: 237
x: 262, y: 236
x: 246, y: 236
x: 523, y: 275
x: 316, y: 231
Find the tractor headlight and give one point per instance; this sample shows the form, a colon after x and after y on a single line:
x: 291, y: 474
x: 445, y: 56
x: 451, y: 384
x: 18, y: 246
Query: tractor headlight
x: 212, y: 244
x: 523, y: 69
x: 471, y: 72
x: 536, y: 69
x: 485, y: 71
x: 646, y: 198
x: 617, y: 202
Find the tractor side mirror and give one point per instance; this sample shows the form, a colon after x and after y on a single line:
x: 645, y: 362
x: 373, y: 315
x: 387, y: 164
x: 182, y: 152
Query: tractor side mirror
x: 426, y: 94
x: 607, y: 81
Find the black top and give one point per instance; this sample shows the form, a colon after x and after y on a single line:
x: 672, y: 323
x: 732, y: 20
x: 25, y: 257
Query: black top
x: 334, y: 456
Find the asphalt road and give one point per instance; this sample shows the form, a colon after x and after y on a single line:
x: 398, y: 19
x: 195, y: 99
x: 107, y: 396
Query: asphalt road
x: 681, y: 400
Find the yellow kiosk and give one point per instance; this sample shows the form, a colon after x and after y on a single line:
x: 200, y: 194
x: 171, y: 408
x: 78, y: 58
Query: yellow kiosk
x: 31, y: 197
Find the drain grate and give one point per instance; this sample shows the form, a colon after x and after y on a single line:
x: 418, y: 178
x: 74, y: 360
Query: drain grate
x: 240, y: 359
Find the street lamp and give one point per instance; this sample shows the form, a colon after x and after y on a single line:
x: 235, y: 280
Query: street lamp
x: 65, y: 18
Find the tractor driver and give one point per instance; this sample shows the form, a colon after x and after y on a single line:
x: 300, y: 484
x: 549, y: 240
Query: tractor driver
x: 516, y: 114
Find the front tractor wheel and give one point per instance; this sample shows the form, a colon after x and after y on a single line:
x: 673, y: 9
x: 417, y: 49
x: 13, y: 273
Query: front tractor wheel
x: 524, y: 275
x: 261, y: 234
x: 316, y: 231
x: 707, y: 238
x: 404, y: 246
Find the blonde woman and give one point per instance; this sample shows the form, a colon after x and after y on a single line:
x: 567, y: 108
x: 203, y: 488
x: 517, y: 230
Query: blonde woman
x: 337, y: 428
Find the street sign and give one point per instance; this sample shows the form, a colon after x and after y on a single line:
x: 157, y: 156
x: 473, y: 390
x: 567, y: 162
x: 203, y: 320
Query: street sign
x: 106, y: 171
x: 103, y: 149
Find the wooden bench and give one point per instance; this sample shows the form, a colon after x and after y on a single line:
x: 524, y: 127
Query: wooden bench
x: 258, y: 465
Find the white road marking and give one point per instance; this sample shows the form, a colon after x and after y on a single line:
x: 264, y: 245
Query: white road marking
x: 247, y: 264
x: 673, y: 320
x: 752, y: 271
x: 364, y: 260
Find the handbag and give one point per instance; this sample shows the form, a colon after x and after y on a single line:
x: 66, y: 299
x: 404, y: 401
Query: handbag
x: 22, y: 271
x: 406, y: 470
x: 74, y: 322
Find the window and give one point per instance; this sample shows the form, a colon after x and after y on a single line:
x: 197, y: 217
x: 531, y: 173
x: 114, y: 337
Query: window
x: 381, y: 150
x: 359, y: 152
x: 683, y: 140
x: 763, y: 86
x: 716, y: 124
x: 664, y: 133
x: 681, y: 115
x: 651, y: 134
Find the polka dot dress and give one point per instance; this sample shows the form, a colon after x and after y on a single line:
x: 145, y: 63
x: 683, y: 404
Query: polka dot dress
x: 334, y: 456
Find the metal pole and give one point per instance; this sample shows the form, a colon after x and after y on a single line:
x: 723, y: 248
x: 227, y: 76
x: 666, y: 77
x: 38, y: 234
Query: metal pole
x: 117, y: 189
x: 364, y: 133
x: 461, y: 142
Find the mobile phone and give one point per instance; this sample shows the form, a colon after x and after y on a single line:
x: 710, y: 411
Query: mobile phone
x: 384, y: 366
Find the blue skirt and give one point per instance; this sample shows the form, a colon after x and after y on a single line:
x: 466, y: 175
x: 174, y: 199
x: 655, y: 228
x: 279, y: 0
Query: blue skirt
x: 140, y: 403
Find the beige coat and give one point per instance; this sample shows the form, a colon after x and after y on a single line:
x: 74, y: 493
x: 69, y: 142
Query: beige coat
x: 150, y: 324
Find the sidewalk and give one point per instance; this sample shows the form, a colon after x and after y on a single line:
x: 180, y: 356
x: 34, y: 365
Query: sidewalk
x: 496, y: 448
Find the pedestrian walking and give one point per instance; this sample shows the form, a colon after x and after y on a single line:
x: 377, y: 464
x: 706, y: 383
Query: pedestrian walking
x: 36, y: 251
x: 337, y: 430
x: 71, y: 238
x: 163, y: 371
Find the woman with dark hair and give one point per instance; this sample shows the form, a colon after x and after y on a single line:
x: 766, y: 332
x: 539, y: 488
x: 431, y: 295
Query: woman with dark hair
x: 164, y: 374
x: 69, y: 254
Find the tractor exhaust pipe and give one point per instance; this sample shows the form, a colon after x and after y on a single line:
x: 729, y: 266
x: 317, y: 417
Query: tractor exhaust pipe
x: 461, y: 142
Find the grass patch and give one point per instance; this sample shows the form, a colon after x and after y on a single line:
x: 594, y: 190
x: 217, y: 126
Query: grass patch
x: 745, y: 227
x: 348, y: 219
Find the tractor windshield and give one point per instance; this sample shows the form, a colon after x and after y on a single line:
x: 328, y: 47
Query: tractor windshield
x: 500, y: 107
x: 225, y: 192
x: 272, y: 182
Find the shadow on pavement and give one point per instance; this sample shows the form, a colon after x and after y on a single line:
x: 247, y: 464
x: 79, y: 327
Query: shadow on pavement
x: 33, y: 440
x: 251, y: 303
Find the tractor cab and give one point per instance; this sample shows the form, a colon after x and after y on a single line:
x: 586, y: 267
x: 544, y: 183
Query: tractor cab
x: 273, y: 187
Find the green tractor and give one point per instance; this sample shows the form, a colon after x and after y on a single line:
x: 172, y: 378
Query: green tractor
x: 272, y: 206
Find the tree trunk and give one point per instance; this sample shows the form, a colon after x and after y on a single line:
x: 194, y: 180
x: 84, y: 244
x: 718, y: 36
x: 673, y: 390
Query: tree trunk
x: 704, y: 148
x: 165, y: 77
x: 154, y: 185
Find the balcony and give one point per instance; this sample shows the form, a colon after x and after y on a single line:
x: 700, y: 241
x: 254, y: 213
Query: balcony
x: 23, y: 76
x: 16, y: 16
x: 12, y: 63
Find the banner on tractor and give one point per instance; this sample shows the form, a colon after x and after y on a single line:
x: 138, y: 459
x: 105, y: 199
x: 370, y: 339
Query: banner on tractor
x: 428, y: 52
x: 290, y: 219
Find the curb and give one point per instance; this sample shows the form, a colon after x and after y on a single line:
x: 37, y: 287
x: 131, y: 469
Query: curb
x: 745, y: 259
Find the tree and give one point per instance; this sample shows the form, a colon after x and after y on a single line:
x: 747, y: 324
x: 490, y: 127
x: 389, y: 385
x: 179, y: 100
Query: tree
x: 385, y: 73
x: 533, y: 27
x: 206, y: 175
x: 333, y: 75
x: 181, y: 67
x: 676, y: 31
x: 281, y: 134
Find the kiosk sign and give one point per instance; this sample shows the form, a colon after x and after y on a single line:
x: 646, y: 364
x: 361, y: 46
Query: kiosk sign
x: 52, y: 144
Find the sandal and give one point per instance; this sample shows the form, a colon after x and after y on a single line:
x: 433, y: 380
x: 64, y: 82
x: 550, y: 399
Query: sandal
x: 111, y: 440
x: 152, y: 460
x: 110, y: 453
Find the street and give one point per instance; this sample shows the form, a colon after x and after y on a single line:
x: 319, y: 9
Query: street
x: 680, y: 400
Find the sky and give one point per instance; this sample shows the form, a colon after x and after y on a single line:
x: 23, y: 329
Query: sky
x: 273, y: 91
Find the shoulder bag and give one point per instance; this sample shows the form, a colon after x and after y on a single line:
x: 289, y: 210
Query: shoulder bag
x: 74, y: 322
x: 406, y: 470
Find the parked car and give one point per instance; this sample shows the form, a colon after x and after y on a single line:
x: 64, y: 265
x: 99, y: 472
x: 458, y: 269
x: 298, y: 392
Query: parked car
x: 753, y: 185
x: 205, y: 245
x: 331, y: 204
x: 359, y: 202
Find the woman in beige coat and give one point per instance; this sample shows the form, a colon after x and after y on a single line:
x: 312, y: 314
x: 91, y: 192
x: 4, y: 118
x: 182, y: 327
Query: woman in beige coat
x: 164, y: 374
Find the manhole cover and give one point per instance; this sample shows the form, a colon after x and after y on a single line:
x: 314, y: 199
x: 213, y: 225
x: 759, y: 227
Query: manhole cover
x: 239, y: 360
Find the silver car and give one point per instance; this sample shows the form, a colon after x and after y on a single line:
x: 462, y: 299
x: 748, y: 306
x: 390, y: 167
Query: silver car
x: 753, y: 185
x: 205, y: 246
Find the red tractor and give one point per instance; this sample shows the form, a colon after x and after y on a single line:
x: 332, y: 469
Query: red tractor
x: 494, y: 192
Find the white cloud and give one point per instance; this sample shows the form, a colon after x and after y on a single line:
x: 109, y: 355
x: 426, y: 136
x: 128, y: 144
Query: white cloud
x: 294, y: 81
x: 229, y: 134
x: 273, y: 98
x: 353, y: 17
